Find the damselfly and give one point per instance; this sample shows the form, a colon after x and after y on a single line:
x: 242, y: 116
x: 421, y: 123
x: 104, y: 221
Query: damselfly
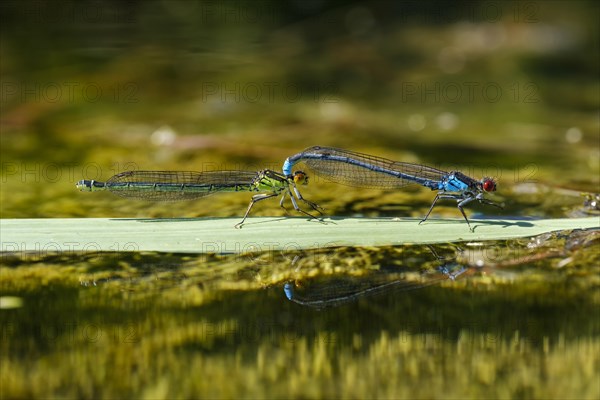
x: 363, y: 170
x: 332, y: 291
x: 187, y: 185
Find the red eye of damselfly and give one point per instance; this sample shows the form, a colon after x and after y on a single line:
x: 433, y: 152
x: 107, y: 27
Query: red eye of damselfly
x: 489, y: 185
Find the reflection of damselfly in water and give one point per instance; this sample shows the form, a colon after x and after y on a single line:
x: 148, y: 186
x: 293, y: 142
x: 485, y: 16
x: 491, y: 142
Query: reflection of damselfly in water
x: 363, y: 170
x: 187, y: 185
x: 336, y: 290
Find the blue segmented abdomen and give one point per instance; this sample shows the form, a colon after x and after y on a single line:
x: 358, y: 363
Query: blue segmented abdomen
x: 287, y: 167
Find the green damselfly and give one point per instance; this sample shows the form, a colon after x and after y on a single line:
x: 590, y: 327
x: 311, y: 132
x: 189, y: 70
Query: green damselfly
x: 188, y: 185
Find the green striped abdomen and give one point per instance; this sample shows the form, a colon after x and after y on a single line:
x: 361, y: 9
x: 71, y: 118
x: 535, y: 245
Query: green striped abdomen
x: 173, y: 185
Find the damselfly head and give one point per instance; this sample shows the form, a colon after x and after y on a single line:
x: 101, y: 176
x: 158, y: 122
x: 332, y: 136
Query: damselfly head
x: 300, y: 178
x: 488, y: 185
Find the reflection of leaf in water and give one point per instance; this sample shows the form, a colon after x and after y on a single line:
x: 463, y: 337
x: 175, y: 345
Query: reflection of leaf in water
x: 333, y: 291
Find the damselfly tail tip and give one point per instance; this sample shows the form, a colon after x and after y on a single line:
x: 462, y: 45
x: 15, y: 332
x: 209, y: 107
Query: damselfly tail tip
x: 288, y: 289
x: 84, y: 185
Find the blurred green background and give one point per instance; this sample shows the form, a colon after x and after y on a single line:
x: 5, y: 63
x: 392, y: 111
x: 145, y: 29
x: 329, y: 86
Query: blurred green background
x: 89, y: 89
x: 508, y: 89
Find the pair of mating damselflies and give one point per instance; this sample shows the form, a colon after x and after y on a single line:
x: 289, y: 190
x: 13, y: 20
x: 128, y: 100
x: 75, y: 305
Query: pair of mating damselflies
x: 336, y: 165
